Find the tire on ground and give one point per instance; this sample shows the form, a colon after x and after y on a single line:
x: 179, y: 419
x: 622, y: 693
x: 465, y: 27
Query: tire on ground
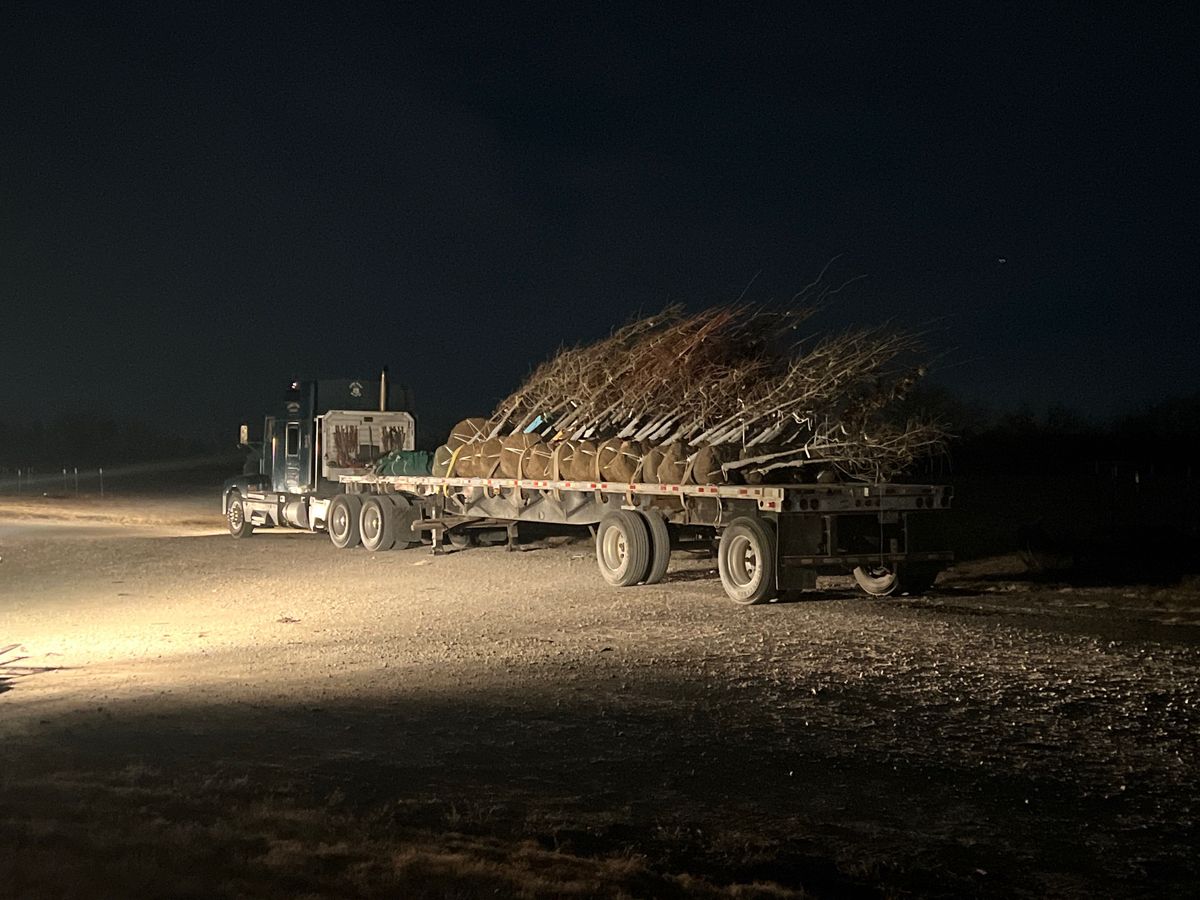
x: 403, y: 516
x: 878, y: 581
x: 376, y: 523
x: 623, y: 548
x: 746, y: 560
x: 236, y: 518
x: 887, y: 581
x: 341, y: 521
x: 660, y: 546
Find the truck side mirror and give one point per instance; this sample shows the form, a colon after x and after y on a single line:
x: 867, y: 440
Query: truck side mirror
x: 243, y: 435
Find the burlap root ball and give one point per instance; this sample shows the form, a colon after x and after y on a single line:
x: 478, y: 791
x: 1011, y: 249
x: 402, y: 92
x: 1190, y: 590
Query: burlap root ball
x: 623, y: 465
x: 465, y: 432
x: 514, y: 449
x: 537, y: 462
x: 706, y: 465
x: 674, y: 463
x: 651, y: 460
x: 441, y: 461
x: 582, y: 465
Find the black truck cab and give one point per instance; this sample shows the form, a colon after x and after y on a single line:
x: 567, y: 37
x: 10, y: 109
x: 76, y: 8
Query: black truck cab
x: 324, y: 428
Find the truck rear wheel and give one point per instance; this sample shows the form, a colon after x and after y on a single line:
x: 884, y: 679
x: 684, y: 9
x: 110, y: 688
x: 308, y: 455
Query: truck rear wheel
x: 377, y: 524
x: 623, y: 548
x: 746, y: 560
x: 342, y: 521
x: 660, y: 546
x: 403, y: 515
x: 235, y: 515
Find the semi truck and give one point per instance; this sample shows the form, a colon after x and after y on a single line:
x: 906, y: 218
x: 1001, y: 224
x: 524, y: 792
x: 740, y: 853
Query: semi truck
x: 317, y: 468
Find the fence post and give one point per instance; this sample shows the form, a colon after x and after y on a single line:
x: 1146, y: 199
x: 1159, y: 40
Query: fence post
x: 76, y: 481
x: 102, y: 482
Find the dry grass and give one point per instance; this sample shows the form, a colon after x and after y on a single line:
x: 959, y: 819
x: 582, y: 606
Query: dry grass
x: 138, y: 833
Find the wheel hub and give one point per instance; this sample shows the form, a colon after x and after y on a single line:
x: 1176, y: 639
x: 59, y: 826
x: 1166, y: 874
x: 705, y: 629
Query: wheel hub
x: 744, y: 565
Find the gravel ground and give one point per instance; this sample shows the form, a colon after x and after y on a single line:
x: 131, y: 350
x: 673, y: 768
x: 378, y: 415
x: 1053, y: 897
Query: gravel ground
x: 184, y: 714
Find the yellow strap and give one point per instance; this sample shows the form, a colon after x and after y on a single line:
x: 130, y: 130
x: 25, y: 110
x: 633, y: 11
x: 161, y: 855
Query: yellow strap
x: 450, y: 468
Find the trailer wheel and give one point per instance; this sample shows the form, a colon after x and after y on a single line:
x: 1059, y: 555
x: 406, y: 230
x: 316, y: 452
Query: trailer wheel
x: 342, y: 521
x: 235, y: 515
x: 402, y: 514
x: 885, y: 581
x: 376, y: 524
x: 878, y: 581
x: 623, y: 548
x: 746, y: 560
x: 460, y: 540
x: 660, y: 546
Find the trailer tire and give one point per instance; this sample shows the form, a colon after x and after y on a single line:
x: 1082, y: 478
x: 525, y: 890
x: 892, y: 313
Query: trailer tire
x: 377, y: 524
x: 623, y: 548
x: 660, y: 546
x: 883, y: 581
x: 746, y: 560
x: 878, y: 581
x: 342, y: 521
x: 235, y: 516
x: 403, y: 514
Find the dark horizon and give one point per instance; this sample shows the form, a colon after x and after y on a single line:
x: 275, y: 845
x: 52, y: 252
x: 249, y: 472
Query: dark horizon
x: 204, y: 202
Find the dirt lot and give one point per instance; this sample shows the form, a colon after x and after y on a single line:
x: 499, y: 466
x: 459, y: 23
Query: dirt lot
x: 186, y: 715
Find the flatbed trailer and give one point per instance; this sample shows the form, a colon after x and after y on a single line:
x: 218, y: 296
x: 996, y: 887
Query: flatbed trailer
x: 771, y: 538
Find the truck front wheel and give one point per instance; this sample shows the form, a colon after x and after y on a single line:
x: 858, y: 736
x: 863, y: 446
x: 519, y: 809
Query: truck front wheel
x: 235, y: 515
x: 342, y: 521
x: 746, y: 560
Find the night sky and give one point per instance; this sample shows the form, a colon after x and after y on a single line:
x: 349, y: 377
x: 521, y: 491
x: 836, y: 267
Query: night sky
x: 198, y: 202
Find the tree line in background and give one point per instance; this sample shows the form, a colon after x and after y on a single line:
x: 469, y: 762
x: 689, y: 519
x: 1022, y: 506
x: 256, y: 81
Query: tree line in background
x: 1164, y: 438
x: 84, y: 441
x: 1167, y: 433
